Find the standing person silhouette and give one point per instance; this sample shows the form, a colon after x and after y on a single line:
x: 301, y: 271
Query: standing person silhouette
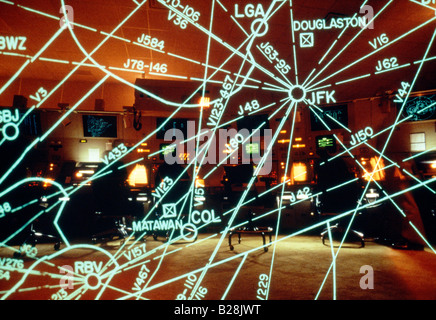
x: 332, y: 172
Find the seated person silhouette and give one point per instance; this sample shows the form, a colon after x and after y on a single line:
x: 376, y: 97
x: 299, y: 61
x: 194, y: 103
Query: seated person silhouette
x: 333, y: 172
x: 110, y: 192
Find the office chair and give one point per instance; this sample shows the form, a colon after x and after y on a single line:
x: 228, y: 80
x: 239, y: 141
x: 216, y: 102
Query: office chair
x: 39, y: 228
x: 112, y: 207
x: 33, y: 238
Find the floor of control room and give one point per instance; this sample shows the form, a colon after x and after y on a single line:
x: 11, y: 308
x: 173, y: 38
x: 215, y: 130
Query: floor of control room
x: 299, y: 265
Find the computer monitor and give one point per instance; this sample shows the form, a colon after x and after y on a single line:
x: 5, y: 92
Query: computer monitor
x: 96, y: 126
x: 252, y: 148
x: 326, y: 142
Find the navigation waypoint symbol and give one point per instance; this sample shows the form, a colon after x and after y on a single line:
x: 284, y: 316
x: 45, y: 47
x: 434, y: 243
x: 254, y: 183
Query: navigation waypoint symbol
x: 191, y: 230
x: 169, y: 210
x: 297, y: 93
x: 306, y: 40
x: 10, y: 131
x: 259, y: 27
x: 93, y: 281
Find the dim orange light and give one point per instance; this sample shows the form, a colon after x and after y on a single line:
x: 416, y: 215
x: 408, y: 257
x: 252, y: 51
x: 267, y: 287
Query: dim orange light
x: 299, y: 172
x: 199, y: 183
x: 205, y: 102
x: 47, y: 182
x: 138, y: 176
x: 298, y: 146
x: 378, y: 172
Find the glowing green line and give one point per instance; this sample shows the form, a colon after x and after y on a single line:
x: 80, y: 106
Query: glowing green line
x: 349, y: 43
x: 281, y: 198
x: 428, y: 59
x: 201, y: 240
x: 24, y: 205
x: 325, y: 124
x: 342, y: 184
x: 130, y: 163
x: 246, y: 77
x: 44, y: 99
x: 38, y: 12
x: 279, y: 109
x: 273, y: 188
x: 235, y: 150
x: 340, y: 216
x: 87, y: 64
x: 422, y: 4
x: 274, y: 86
x: 392, y: 69
x: 404, y: 103
x: 168, y: 75
x: 263, y: 108
x: 388, y: 139
x: 67, y: 114
x: 419, y: 154
x: 183, y: 58
x: 14, y: 54
x: 376, y: 51
x: 116, y: 37
x: 281, y: 239
x: 47, y: 44
x: 12, y: 167
x: 333, y: 260
x: 353, y: 79
x: 395, y: 204
x: 239, y: 25
x: 274, y: 89
x: 292, y: 22
x: 419, y: 181
x: 427, y: 107
x: 329, y: 49
x: 54, y: 60
x: 373, y: 136
x: 234, y: 277
x: 14, y: 76
x: 240, y: 201
x: 295, y: 63
x: 308, y: 77
x: 422, y: 237
x: 319, y: 88
x: 235, y: 51
x: 126, y: 70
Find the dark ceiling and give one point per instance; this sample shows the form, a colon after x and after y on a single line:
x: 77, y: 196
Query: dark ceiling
x: 186, y: 52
